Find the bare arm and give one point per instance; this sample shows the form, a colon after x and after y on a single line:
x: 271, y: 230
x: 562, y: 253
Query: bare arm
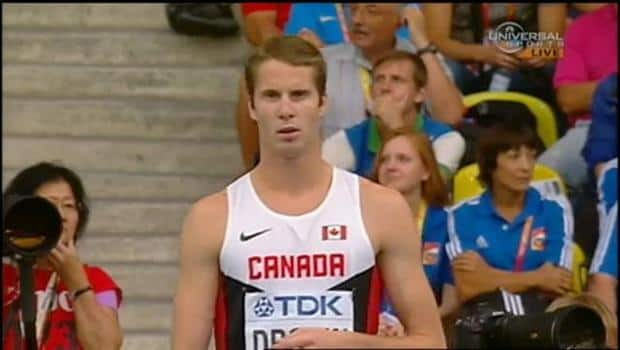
x: 449, y: 301
x: 438, y: 25
x: 260, y: 26
x: 576, y: 98
x: 470, y: 284
x: 97, y: 326
x: 445, y: 98
x: 194, y: 303
x: 604, y: 287
x: 400, y: 262
x: 473, y: 276
x: 552, y: 18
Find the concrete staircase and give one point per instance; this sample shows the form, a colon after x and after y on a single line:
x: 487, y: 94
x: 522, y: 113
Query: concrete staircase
x: 144, y: 115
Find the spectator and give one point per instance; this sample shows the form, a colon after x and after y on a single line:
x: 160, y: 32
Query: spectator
x: 602, y: 141
x: 461, y: 32
x: 510, y: 237
x: 261, y: 22
x: 592, y: 302
x: 590, y: 54
x: 399, y: 81
x: 372, y: 33
x: 603, y: 280
x: 406, y: 163
x: 77, y: 304
x: 325, y: 23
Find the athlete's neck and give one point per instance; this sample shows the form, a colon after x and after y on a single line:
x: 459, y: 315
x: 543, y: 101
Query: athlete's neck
x: 292, y: 175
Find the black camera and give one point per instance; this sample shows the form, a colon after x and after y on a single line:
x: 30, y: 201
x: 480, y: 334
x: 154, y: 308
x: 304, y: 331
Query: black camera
x: 484, y: 325
x: 32, y: 226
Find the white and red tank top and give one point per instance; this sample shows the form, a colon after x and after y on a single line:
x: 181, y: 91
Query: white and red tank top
x: 282, y: 272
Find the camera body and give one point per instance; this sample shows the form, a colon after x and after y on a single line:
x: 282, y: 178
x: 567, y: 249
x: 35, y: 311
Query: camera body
x: 484, y: 324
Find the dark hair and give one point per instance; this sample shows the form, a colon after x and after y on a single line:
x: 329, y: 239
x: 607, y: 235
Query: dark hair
x: 29, y: 180
x: 292, y: 50
x: 420, y: 74
x: 500, y: 138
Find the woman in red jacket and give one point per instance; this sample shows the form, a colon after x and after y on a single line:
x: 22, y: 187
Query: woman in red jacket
x: 77, y: 304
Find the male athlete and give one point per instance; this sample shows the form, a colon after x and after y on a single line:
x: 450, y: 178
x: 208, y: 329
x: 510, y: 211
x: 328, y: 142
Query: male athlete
x: 288, y: 256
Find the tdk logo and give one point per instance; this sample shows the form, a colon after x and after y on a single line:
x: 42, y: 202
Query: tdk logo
x: 303, y: 305
x: 263, y: 307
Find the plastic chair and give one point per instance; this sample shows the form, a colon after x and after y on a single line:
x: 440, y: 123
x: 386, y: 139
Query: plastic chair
x: 545, y: 120
x: 545, y: 179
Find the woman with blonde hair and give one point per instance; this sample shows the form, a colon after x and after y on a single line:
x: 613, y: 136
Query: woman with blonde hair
x: 406, y: 163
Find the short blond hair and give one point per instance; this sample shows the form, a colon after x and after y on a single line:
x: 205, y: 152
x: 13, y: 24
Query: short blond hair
x: 291, y: 50
x: 592, y: 302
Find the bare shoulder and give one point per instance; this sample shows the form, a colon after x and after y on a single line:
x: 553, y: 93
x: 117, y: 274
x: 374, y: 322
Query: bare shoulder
x: 211, y: 205
x: 205, y: 224
x: 380, y: 200
x: 385, y: 212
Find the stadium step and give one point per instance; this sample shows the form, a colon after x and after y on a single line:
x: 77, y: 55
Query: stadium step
x: 127, y: 156
x: 66, y: 81
x: 144, y: 115
x: 149, y: 119
x: 138, y: 47
x: 82, y: 16
x: 115, y: 186
x: 145, y: 281
x: 101, y: 249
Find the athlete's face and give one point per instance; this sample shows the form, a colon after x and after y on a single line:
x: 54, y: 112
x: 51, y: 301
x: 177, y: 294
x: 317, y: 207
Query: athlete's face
x: 515, y: 169
x: 287, y: 107
x: 60, y: 193
x: 401, y: 167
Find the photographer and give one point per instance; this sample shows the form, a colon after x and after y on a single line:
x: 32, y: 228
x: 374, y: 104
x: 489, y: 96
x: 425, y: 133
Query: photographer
x: 77, y: 304
x: 511, y: 236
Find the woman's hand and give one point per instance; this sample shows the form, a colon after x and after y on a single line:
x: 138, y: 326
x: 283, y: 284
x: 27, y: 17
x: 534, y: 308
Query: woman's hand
x: 470, y: 261
x: 493, y: 55
x: 554, y: 279
x: 67, y: 264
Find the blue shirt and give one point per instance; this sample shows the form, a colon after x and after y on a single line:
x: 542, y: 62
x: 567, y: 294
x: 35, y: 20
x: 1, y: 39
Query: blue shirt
x: 436, y: 264
x: 434, y: 258
x: 476, y: 225
x: 322, y: 19
x: 365, y: 142
x: 602, y: 142
x: 605, y: 259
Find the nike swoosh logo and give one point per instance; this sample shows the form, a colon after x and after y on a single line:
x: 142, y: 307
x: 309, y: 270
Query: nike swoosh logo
x: 244, y: 238
x: 326, y: 18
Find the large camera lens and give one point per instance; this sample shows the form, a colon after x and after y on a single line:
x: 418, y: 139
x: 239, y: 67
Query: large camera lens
x: 32, y: 226
x: 570, y: 327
